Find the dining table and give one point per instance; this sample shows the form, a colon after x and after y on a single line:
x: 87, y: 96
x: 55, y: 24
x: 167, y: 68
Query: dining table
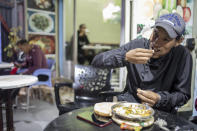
x: 7, y: 84
x: 5, y: 68
x: 69, y: 122
x: 96, y: 47
x: 4, y: 65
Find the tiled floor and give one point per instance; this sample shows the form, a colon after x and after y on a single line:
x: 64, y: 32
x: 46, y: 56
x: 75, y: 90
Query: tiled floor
x: 35, y: 119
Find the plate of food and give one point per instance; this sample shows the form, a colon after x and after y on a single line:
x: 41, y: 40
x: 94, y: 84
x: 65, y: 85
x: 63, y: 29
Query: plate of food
x: 40, y: 22
x: 133, y: 111
x: 146, y: 123
x: 44, y: 4
x: 47, y: 43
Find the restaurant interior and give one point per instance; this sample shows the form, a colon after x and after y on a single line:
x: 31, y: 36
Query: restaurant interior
x: 69, y: 34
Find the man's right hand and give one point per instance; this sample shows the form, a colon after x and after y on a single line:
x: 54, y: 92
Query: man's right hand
x: 139, y: 55
x: 17, y: 65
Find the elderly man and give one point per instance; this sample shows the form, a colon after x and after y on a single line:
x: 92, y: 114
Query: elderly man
x: 159, y: 69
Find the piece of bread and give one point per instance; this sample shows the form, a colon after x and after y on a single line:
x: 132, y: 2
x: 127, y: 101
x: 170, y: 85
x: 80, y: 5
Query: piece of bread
x: 104, y: 108
x: 102, y: 118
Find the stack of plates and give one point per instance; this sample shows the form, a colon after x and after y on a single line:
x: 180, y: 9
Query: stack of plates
x: 133, y: 114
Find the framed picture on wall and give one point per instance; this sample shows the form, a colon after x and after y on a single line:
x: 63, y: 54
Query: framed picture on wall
x: 47, y: 5
x: 46, y: 42
x: 41, y: 22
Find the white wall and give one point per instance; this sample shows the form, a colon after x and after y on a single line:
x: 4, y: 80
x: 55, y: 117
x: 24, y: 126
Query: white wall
x: 89, y: 12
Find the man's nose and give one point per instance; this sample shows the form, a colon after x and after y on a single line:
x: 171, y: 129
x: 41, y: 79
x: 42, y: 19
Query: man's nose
x: 156, y: 45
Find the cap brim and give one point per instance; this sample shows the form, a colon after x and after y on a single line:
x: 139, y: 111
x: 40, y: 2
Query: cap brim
x: 168, y: 29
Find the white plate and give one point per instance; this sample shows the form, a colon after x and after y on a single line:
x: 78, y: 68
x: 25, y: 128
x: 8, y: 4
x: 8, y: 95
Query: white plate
x: 119, y: 111
x: 36, y: 29
x: 146, y: 123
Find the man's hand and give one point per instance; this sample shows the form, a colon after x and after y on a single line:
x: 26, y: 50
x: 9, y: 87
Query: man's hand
x: 17, y: 64
x: 149, y: 97
x: 139, y: 55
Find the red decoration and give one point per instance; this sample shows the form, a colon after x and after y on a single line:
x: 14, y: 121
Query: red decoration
x: 3, y: 22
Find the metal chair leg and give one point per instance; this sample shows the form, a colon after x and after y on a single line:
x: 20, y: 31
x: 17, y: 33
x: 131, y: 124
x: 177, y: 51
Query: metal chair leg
x: 53, y: 96
x: 28, y: 103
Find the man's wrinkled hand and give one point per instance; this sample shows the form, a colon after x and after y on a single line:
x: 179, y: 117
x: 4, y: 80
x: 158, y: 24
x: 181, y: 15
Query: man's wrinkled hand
x: 139, y: 55
x: 149, y: 97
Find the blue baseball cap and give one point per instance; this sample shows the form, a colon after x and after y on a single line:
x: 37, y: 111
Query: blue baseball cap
x: 173, y: 24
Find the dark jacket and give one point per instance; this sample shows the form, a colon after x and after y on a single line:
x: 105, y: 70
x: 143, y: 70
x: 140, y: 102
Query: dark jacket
x: 82, y: 40
x: 169, y: 76
x: 35, y: 59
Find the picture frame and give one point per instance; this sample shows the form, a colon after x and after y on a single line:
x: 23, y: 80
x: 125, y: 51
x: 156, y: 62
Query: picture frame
x: 46, y: 42
x: 40, y: 22
x: 46, y: 5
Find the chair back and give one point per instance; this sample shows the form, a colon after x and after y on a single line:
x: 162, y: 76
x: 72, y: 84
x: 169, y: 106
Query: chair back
x: 50, y: 63
x: 44, y: 74
x: 44, y: 77
x: 89, y: 81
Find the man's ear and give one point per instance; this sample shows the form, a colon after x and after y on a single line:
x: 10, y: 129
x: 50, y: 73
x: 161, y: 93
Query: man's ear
x: 179, y: 41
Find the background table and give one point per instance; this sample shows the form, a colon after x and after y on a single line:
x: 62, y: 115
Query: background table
x: 96, y: 47
x: 69, y: 122
x: 7, y: 84
x: 6, y: 65
x: 5, y: 68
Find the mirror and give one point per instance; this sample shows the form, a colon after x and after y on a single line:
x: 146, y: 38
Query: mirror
x: 98, y: 28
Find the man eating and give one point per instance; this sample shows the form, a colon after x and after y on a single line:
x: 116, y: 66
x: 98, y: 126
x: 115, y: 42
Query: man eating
x: 159, y: 69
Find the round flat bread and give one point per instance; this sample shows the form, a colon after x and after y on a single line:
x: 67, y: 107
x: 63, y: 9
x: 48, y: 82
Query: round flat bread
x: 132, y: 123
x: 104, y: 108
x: 102, y: 118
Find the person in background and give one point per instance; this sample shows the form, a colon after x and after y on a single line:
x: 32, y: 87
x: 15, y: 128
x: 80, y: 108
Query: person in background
x: 34, y: 57
x: 19, y: 59
x: 83, y: 40
x: 159, y: 69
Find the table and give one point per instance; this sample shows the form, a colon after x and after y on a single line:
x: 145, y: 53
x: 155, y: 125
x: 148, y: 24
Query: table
x: 91, y: 50
x: 6, y: 65
x: 69, y: 122
x: 7, y: 84
x: 5, y: 68
x: 96, y: 47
